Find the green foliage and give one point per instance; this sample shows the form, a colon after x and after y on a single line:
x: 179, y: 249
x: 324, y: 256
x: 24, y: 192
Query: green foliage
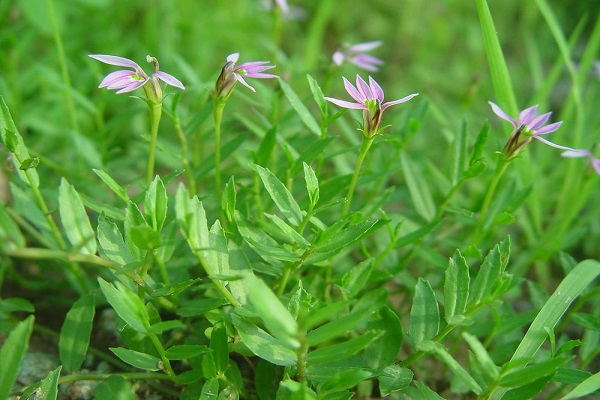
x: 159, y: 272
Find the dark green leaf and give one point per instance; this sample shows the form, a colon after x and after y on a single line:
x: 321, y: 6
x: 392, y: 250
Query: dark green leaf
x: 75, y: 220
x: 185, y: 351
x: 456, y: 286
x: 342, y: 350
x: 12, y: 353
x: 218, y: 345
x: 333, y: 240
x: 533, y: 372
x: 76, y: 332
x: 394, y: 378
x: 115, y: 388
x: 384, y: 349
x: 282, y: 198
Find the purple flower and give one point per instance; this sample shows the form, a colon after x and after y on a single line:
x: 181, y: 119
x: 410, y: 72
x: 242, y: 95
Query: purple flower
x: 584, y: 153
x: 369, y: 98
x: 231, y: 74
x: 530, y: 125
x: 355, y: 55
x: 127, y: 81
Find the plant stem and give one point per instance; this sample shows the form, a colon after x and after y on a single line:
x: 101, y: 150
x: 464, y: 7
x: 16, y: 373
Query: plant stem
x: 189, y: 175
x: 218, y: 116
x: 155, y: 114
x: 500, y: 168
x: 364, y: 148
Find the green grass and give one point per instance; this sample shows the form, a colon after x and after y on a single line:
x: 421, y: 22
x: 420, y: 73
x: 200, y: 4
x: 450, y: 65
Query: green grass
x: 265, y: 246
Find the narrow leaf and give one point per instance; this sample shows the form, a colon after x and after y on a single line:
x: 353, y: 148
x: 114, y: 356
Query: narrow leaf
x: 339, y: 351
x: 75, y: 332
x: 127, y: 305
x: 456, y: 286
x: 112, y: 184
x: 48, y: 389
x: 418, y: 188
x: 75, y: 220
x: 300, y: 108
x: 155, y: 204
x: 137, y: 359
x: 312, y: 184
x: 12, y: 352
x: 281, y: 196
x: 424, y: 314
x: 590, y: 385
x: 111, y: 242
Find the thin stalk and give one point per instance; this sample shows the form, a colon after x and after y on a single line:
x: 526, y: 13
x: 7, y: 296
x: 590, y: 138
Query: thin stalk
x: 155, y: 114
x: 500, y: 168
x: 63, y: 67
x: 161, y: 350
x: 364, y: 148
x: 218, y: 117
x: 189, y: 175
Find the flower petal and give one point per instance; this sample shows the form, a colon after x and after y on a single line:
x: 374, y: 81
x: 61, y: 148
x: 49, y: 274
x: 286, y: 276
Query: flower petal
x: 366, y: 46
x: 116, y: 76
x: 367, y: 62
x: 576, y: 153
x: 539, y: 121
x: 402, y: 100
x: 352, y: 91
x: 243, y: 82
x: 346, y: 104
x: 233, y: 57
x: 596, y: 164
x: 548, y: 128
x: 131, y: 87
x: 549, y: 143
x: 527, y: 115
x: 376, y: 89
x: 115, y: 60
x: 338, y: 58
x: 363, y: 88
x: 498, y: 111
x: 169, y: 79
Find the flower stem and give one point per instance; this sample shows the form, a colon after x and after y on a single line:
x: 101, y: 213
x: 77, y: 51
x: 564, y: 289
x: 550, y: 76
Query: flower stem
x: 364, y: 148
x: 218, y: 116
x: 500, y: 168
x: 189, y: 174
x: 155, y: 114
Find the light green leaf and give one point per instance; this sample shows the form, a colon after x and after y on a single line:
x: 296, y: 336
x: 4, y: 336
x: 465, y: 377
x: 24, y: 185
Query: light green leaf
x: 532, y: 372
x: 456, y: 286
x: 394, y: 378
x: 185, y: 351
x: 115, y: 388
x: 262, y: 344
x: 155, y: 204
x: 288, y: 231
x: 418, y: 188
x: 590, y: 385
x: 48, y: 389
x: 333, y: 239
x: 111, y: 242
x: 135, y: 358
x: 489, y: 370
x: 274, y: 314
x: 339, y: 351
x: 12, y: 352
x: 312, y: 184
x: 75, y: 220
x: 10, y: 234
x: 127, y: 305
x: 317, y: 93
x: 112, y: 184
x: 300, y: 108
x: 76, y: 331
x: 281, y: 196
x: 424, y: 314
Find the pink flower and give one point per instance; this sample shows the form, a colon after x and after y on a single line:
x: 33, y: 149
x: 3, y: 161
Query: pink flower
x: 369, y: 98
x: 231, y: 74
x: 355, y: 54
x: 584, y: 153
x: 127, y: 81
x: 530, y: 125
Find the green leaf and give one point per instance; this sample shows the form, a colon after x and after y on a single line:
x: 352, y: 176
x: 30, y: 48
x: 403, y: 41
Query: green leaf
x: 274, y: 314
x: 14, y: 143
x: 262, y: 344
x: 339, y: 351
x: 296, y: 238
x: 76, y: 331
x: 533, y: 372
x: 281, y: 196
x: 498, y: 69
x: 229, y: 200
x: 127, y: 305
x: 217, y: 255
x: 48, y: 389
x: 75, y: 220
x: 317, y: 93
x: 456, y: 286
x: 111, y: 242
x: 12, y: 304
x: 384, y: 349
x: 394, y: 378
x: 10, y: 234
x: 112, y: 184
x: 424, y: 314
x: 418, y: 188
x: 460, y: 152
x: 300, y: 108
x: 210, y: 389
x: 115, y: 388
x: 292, y: 390
x: 346, y: 379
x: 529, y: 390
x: 219, y: 347
x: 12, y: 352
x: 163, y: 326
x: 312, y: 184
x: 357, y: 277
x: 441, y: 352
x: 310, y: 153
x: 155, y: 204
x: 137, y: 359
x: 144, y: 237
x: 568, y: 290
x: 489, y: 371
x: 417, y: 234
x: 185, y: 351
x: 266, y: 380
x: 488, y: 275
x: 590, y: 385
x: 333, y: 240
x: 338, y: 327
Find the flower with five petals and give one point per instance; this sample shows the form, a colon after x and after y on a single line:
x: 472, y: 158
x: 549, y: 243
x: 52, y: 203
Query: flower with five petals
x: 355, y: 54
x: 232, y: 74
x: 369, y: 98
